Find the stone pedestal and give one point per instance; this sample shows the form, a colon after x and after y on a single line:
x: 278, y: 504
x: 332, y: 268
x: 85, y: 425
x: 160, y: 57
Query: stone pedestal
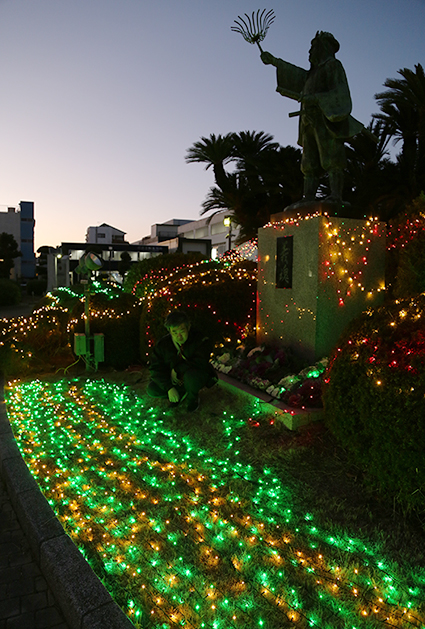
x: 315, y: 274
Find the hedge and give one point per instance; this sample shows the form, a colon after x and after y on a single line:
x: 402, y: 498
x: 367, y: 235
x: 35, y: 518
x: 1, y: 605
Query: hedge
x: 374, y: 397
x: 218, y: 296
x: 10, y: 292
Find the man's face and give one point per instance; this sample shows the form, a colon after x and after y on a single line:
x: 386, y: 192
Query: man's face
x: 179, y: 333
x: 315, y: 53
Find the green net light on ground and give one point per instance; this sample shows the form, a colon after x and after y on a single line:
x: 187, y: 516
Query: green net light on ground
x: 183, y: 537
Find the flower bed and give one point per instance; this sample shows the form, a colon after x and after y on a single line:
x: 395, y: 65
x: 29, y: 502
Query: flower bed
x: 270, y: 368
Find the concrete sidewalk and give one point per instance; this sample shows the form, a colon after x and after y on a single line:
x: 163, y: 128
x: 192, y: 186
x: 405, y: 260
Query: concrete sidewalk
x: 26, y: 602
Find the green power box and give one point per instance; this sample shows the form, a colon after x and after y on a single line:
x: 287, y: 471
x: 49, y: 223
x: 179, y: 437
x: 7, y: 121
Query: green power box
x: 99, y: 351
x: 80, y: 345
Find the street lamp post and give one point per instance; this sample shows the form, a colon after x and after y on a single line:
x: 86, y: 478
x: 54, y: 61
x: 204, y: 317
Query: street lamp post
x: 82, y: 343
x: 227, y: 222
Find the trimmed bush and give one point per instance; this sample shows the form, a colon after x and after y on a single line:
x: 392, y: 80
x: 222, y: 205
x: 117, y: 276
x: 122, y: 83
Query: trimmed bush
x: 142, y: 276
x: 36, y: 287
x: 10, y: 293
x: 119, y: 322
x: 45, y: 341
x: 40, y: 344
x: 117, y: 317
x: 405, y: 273
x: 219, y: 298
x: 219, y: 295
x: 374, y: 397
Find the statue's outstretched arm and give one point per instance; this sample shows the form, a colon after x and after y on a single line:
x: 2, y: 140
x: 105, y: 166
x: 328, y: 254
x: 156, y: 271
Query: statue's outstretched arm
x: 268, y: 59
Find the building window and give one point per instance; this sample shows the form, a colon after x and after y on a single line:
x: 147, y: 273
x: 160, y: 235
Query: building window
x: 218, y: 228
x: 202, y: 232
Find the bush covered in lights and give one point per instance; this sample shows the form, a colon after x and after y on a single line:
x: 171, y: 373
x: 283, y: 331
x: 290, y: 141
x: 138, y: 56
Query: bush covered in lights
x: 406, y: 251
x: 112, y: 313
x: 138, y: 279
x: 43, y: 341
x: 219, y: 296
x: 374, y: 397
x: 35, y: 344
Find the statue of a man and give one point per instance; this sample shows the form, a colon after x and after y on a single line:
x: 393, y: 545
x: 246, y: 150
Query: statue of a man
x: 325, y: 120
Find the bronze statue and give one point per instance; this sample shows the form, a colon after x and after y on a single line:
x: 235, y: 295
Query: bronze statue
x: 325, y: 120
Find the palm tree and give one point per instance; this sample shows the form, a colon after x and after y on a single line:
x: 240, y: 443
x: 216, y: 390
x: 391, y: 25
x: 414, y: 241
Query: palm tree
x: 372, y: 181
x: 214, y: 151
x: 281, y: 176
x: 250, y: 145
x: 258, y: 165
x: 403, y: 111
x: 266, y: 177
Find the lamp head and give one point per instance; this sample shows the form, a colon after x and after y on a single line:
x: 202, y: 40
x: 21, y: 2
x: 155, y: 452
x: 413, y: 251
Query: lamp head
x: 89, y: 262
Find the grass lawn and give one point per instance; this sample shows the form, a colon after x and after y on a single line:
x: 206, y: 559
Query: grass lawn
x: 217, y: 519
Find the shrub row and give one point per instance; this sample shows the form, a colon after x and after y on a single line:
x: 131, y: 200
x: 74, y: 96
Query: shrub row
x: 118, y: 320
x: 44, y: 341
x: 10, y: 292
x: 219, y: 297
x: 374, y: 397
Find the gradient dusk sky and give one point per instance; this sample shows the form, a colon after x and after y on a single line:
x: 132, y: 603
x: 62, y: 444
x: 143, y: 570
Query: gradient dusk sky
x: 100, y: 99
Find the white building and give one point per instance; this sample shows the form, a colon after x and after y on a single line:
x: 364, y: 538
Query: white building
x: 63, y: 261
x: 19, y: 222
x: 104, y: 235
x: 213, y: 229
x: 161, y: 232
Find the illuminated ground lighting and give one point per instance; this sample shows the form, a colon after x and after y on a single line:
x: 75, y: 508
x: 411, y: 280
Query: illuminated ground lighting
x: 182, y: 538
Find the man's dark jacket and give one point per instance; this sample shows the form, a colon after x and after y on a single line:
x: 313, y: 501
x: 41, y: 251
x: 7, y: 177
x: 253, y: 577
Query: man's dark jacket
x: 165, y: 357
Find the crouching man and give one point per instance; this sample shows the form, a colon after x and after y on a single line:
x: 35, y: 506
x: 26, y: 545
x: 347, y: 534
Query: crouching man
x: 179, y: 364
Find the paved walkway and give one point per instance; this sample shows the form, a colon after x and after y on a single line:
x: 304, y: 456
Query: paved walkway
x: 25, y: 599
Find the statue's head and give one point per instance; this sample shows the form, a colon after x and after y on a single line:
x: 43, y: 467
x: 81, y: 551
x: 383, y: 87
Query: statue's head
x: 323, y: 46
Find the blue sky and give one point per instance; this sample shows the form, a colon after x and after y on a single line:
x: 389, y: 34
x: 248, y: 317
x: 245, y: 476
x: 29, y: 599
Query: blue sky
x: 100, y: 99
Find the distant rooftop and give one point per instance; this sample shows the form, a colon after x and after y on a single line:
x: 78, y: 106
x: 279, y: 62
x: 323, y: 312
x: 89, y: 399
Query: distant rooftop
x: 111, y: 227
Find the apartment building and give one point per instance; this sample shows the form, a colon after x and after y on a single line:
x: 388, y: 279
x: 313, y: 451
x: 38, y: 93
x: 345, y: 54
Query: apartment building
x: 19, y: 222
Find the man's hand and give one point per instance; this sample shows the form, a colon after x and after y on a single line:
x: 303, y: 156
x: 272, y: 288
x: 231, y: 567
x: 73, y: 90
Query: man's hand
x: 173, y: 395
x: 268, y: 59
x: 174, y: 378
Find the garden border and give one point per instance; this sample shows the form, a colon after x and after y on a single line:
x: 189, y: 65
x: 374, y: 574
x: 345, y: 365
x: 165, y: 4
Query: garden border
x: 81, y: 596
x: 292, y: 418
